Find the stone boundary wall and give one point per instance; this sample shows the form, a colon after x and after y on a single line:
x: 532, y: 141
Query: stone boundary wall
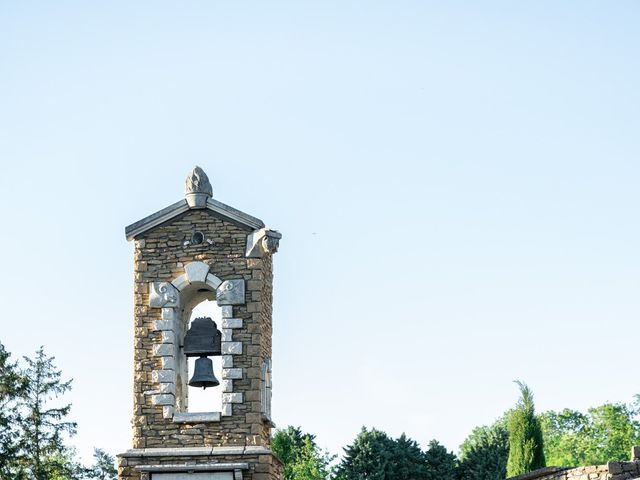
x: 610, y: 471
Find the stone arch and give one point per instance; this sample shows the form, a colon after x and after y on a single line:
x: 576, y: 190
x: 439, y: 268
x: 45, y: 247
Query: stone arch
x: 177, y: 300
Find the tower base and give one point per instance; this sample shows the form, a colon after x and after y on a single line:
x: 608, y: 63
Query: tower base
x: 199, y: 463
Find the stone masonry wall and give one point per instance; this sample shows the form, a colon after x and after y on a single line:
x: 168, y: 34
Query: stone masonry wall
x: 160, y: 255
x: 610, y: 471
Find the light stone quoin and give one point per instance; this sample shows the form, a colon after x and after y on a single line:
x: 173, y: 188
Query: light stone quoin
x: 194, y: 250
x: 169, y: 297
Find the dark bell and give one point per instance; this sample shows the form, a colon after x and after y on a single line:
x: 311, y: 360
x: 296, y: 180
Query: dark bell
x: 203, y: 339
x: 203, y: 374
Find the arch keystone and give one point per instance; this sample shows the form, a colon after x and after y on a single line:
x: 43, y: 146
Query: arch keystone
x: 196, y: 272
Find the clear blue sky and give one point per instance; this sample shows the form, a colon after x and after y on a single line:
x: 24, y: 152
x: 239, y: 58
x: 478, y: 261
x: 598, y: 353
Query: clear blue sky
x: 456, y: 183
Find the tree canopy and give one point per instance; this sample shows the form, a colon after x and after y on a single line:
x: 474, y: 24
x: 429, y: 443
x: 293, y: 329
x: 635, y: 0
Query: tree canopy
x: 34, y: 424
x: 604, y: 433
x: 483, y: 454
x: 375, y: 455
x: 302, y: 458
x: 35, y: 430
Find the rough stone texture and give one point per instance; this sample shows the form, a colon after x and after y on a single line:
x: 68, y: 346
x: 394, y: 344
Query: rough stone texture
x: 262, y: 466
x: 610, y: 471
x: 160, y: 256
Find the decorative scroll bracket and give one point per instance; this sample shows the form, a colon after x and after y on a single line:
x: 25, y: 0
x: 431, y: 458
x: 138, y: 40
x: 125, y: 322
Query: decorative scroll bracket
x: 230, y: 292
x: 164, y: 294
x: 262, y: 242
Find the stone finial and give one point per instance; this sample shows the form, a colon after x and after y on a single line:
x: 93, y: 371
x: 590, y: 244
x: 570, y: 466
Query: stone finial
x: 197, y: 188
x: 635, y: 453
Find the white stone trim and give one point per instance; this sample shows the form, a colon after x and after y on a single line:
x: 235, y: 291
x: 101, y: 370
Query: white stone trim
x: 231, y: 323
x: 181, y: 282
x: 227, y: 409
x: 200, y: 467
x: 234, y: 214
x: 196, y: 417
x: 163, y: 376
x: 196, y: 272
x: 232, y: 373
x: 232, y: 397
x: 163, y: 349
x: 232, y: 348
x: 266, y: 390
x: 262, y: 242
x: 168, y: 336
x: 160, y: 325
x: 169, y: 297
x: 227, y: 334
x: 162, y: 399
x: 194, y: 451
x: 155, y: 219
x: 182, y: 206
x: 167, y: 412
x: 227, y: 386
x: 213, y: 281
x: 168, y: 363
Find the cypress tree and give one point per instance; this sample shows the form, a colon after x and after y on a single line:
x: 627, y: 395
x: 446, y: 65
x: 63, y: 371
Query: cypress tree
x: 525, y: 436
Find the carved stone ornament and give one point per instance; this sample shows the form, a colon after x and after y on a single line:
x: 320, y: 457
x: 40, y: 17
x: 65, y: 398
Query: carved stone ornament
x: 270, y: 244
x: 230, y: 292
x: 262, y: 242
x: 197, y: 188
x: 163, y: 294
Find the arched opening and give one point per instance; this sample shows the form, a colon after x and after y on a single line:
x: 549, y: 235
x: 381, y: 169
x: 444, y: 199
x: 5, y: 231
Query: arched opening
x: 210, y: 399
x: 197, y: 300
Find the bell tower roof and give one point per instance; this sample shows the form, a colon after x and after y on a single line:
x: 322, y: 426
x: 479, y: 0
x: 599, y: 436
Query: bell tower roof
x: 198, y: 195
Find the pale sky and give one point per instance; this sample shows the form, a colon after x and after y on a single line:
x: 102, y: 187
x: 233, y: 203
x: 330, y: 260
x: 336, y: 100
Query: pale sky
x: 456, y: 184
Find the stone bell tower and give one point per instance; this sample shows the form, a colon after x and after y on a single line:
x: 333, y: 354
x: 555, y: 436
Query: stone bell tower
x: 195, y: 250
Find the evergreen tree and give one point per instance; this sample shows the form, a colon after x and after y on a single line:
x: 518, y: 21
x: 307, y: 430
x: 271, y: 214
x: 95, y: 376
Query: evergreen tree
x: 374, y: 455
x: 408, y: 460
x: 43, y: 426
x: 525, y: 436
x: 370, y: 457
x: 484, y: 453
x: 12, y: 388
x: 301, y: 457
x: 103, y: 467
x: 440, y: 464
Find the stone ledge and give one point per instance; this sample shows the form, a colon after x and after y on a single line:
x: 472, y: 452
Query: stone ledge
x: 193, y: 468
x: 195, y: 451
x: 195, y: 417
